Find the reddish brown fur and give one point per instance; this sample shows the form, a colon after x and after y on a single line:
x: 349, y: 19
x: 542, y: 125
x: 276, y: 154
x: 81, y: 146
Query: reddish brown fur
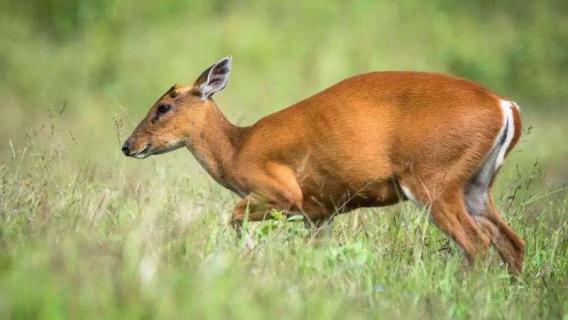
x: 352, y: 145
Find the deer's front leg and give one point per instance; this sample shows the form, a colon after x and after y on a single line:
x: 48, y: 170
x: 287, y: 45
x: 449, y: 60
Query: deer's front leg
x: 278, y: 189
x: 255, y: 208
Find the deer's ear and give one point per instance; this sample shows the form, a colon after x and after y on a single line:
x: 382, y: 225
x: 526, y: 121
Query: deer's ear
x: 214, y: 78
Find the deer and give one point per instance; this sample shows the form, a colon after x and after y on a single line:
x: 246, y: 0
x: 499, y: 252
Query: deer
x: 371, y: 140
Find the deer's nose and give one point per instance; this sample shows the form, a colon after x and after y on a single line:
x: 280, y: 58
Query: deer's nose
x: 126, y: 148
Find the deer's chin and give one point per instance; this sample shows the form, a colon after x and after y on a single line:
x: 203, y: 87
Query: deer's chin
x: 150, y: 150
x: 171, y: 146
x: 142, y: 155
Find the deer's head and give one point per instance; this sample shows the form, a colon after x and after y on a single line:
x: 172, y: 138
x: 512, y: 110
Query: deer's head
x: 178, y: 115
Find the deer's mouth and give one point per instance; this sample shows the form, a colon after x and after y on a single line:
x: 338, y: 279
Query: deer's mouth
x: 144, y: 152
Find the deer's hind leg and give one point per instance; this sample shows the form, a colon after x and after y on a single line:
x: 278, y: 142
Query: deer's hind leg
x: 480, y: 203
x: 481, y: 206
x: 510, y: 246
x: 448, y: 210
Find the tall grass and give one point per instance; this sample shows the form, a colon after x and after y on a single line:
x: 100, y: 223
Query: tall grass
x: 92, y: 240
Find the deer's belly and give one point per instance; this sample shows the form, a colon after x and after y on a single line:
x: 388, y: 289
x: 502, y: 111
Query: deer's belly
x: 332, y: 197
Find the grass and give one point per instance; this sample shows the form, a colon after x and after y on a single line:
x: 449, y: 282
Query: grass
x: 148, y: 239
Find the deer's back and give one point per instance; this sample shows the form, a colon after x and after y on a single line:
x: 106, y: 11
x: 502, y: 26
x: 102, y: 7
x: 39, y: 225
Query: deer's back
x: 375, y: 126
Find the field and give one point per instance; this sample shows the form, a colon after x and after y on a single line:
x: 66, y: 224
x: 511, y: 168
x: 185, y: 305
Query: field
x: 87, y: 233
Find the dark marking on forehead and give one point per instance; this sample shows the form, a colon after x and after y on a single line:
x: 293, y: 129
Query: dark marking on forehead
x: 172, y: 92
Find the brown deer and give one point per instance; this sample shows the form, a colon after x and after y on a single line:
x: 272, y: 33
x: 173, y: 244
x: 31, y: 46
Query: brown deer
x: 370, y: 140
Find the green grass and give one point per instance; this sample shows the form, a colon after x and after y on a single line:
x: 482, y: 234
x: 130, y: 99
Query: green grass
x: 148, y: 239
x: 87, y: 233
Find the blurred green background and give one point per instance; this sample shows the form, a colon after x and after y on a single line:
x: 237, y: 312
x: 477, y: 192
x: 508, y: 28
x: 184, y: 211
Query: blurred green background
x: 86, y: 232
x: 77, y: 76
x: 92, y: 61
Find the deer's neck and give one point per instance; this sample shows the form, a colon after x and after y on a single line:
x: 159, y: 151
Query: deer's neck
x: 215, y: 147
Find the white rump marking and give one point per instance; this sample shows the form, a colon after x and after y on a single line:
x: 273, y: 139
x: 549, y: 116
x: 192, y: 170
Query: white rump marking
x: 476, y: 189
x: 509, y: 126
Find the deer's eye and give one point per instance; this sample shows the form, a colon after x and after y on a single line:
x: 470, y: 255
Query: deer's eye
x: 163, y: 108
